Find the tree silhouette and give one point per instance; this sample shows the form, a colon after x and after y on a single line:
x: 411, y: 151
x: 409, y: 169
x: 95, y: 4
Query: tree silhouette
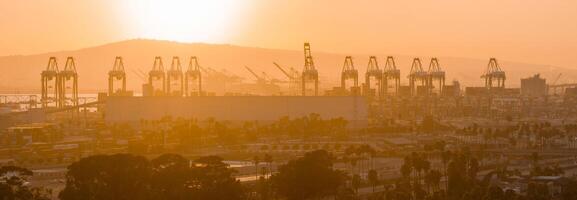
x: 308, y: 177
x: 13, y: 181
x: 120, y: 176
x: 170, y: 176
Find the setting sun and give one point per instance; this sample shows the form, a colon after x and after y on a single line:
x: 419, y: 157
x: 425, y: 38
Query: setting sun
x: 184, y: 21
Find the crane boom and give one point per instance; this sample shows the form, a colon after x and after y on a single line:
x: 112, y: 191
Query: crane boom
x: 556, y: 79
x: 283, y: 71
x: 139, y: 75
x: 253, y: 73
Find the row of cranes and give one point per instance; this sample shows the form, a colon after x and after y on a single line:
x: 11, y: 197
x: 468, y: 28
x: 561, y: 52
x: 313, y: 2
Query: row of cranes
x: 174, y: 82
x: 59, y: 87
x: 378, y: 81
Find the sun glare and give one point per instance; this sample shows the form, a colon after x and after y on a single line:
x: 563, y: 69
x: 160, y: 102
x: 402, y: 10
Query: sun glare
x: 185, y: 20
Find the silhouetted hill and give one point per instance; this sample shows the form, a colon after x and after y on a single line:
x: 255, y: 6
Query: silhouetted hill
x: 22, y: 73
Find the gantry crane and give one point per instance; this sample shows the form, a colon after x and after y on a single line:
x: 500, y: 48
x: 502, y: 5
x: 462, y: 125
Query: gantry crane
x: 436, y: 74
x: 492, y: 74
x: 50, y: 84
x: 68, y: 76
x: 294, y: 78
x: 373, y: 71
x: 390, y: 72
x: 117, y: 74
x: 193, y: 77
x: 157, y: 75
x: 309, y: 73
x: 174, y: 79
x: 417, y: 77
x: 349, y: 72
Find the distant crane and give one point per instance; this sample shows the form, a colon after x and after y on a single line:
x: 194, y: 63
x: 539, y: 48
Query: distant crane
x: 261, y: 79
x: 193, y: 77
x: 349, y: 72
x: 492, y: 74
x: 294, y: 78
x: 174, y: 81
x: 373, y: 71
x: 117, y: 74
x: 67, y: 75
x: 553, y: 85
x: 436, y: 74
x: 557, y: 79
x: 417, y: 76
x: 390, y: 72
x: 309, y: 73
x: 50, y: 84
x: 157, y: 75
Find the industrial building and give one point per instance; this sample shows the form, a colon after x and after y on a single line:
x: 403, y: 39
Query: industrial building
x: 533, y: 86
x: 264, y: 109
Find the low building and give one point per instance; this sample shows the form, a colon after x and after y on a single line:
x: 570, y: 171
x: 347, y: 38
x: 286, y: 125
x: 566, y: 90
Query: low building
x: 30, y: 133
x: 236, y: 108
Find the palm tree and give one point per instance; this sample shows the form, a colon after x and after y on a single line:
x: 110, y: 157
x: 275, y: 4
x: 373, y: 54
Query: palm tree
x: 256, y: 161
x: 373, y: 178
x: 268, y: 159
x: 356, y: 183
x: 432, y: 179
x: 446, y: 157
x: 535, y: 159
x: 406, y: 170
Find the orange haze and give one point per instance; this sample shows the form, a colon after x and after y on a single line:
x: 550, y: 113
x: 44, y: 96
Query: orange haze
x: 532, y: 31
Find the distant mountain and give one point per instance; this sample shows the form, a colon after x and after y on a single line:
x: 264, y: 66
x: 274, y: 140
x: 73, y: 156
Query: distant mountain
x: 22, y: 73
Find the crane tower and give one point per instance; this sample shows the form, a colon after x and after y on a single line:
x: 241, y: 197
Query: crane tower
x: 174, y: 80
x: 436, y: 75
x: 68, y: 76
x: 193, y: 77
x: 50, y: 84
x: 309, y: 74
x: 117, y: 74
x: 492, y: 74
x: 156, y: 77
x: 417, y: 77
x: 373, y: 71
x: 391, y: 73
x: 349, y: 72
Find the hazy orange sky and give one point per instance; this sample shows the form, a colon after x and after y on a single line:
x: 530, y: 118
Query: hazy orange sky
x: 533, y: 31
